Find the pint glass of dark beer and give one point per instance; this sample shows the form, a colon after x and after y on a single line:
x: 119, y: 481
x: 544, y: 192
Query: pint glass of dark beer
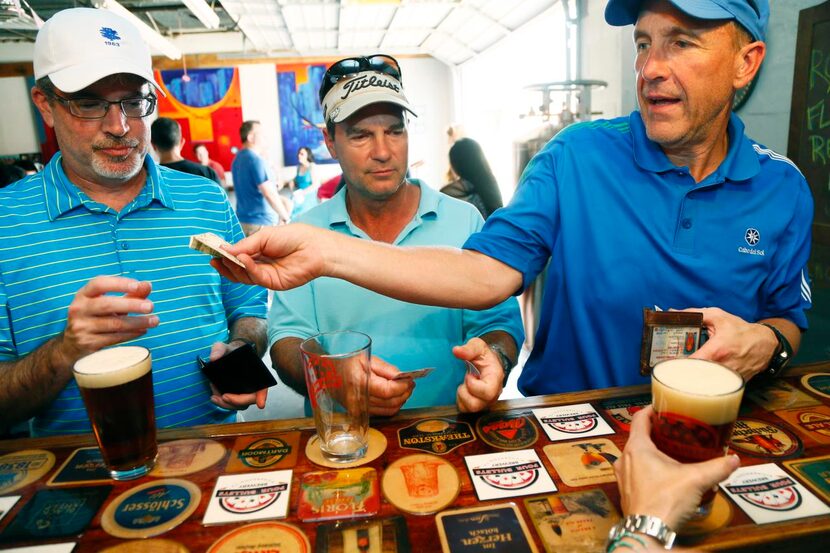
x: 696, y: 403
x: 117, y: 387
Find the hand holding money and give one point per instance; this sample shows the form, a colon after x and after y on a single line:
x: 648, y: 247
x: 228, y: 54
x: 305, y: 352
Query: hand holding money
x: 214, y: 246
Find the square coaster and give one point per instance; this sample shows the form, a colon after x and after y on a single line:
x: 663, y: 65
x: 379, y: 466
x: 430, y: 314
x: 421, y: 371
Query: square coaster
x: 508, y: 474
x: 388, y: 535
x: 331, y: 494
x: 7, y: 504
x: 278, y: 451
x: 768, y: 494
x: 812, y: 422
x: 584, y: 463
x: 815, y: 472
x: 622, y: 409
x: 577, y: 522
x: 56, y: 513
x: 84, y: 466
x: 45, y: 548
x: 496, y: 528
x: 568, y: 422
x: 776, y: 394
x: 247, y: 497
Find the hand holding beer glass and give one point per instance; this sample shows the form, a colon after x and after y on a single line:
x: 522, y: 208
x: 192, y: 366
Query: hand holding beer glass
x: 695, y: 403
x: 117, y: 387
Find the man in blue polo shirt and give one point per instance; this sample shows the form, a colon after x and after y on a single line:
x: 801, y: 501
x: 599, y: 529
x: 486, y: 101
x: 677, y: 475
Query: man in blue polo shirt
x: 95, y: 247
x: 366, y: 131
x: 672, y: 206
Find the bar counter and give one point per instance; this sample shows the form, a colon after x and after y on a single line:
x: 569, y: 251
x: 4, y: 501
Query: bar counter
x: 740, y: 534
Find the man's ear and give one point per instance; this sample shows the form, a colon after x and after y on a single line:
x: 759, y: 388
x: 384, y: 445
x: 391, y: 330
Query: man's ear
x: 748, y: 62
x: 42, y: 104
x: 330, y: 142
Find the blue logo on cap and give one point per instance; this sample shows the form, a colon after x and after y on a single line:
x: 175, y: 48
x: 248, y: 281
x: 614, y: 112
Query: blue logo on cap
x: 109, y: 33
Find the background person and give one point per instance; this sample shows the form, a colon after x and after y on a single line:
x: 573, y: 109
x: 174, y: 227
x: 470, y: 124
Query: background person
x: 166, y: 137
x: 305, y: 184
x: 472, y: 179
x: 203, y: 156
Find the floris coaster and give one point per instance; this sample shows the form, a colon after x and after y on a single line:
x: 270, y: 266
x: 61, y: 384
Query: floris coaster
x: 421, y: 484
x: 84, y: 466
x: 507, y: 430
x: 567, y: 422
x: 388, y: 535
x: 577, y: 522
x: 584, y: 463
x: 264, y: 452
x: 720, y: 515
x: 760, y: 438
x: 247, y: 497
x: 439, y: 436
x: 263, y: 536
x: 377, y: 445
x: 151, y: 509
x: 508, y: 474
x: 341, y: 494
x: 24, y: 467
x: 497, y: 528
x: 818, y: 383
x: 815, y: 472
x: 181, y: 457
x: 147, y: 546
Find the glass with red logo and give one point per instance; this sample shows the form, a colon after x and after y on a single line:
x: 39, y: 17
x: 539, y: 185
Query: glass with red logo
x: 696, y: 403
x: 337, y: 369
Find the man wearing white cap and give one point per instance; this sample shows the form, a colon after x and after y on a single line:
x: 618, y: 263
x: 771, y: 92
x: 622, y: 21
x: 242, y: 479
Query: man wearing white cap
x: 95, y: 247
x: 366, y: 131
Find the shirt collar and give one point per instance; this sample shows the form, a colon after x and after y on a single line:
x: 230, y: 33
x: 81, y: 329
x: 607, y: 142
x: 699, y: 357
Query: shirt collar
x: 741, y: 162
x: 62, y: 196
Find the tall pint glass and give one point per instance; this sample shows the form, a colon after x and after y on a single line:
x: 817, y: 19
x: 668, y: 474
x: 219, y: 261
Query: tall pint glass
x: 696, y: 403
x: 117, y: 387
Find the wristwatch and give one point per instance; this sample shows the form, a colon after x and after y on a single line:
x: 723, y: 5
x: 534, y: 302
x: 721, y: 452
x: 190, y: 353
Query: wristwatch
x: 504, y: 359
x: 643, y: 524
x: 783, y: 353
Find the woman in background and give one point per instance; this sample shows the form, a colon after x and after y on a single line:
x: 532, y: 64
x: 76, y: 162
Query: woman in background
x: 474, y: 181
x: 305, y: 184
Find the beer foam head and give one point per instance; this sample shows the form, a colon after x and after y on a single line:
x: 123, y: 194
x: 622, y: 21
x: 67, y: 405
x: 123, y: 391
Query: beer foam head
x: 113, y: 366
x: 698, y: 376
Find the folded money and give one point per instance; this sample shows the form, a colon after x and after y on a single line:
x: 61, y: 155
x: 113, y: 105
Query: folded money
x: 212, y: 244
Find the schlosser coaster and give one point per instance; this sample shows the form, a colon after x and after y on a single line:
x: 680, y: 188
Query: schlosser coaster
x: 151, y: 508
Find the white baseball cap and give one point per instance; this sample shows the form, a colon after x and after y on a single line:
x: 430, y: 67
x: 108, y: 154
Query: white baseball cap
x: 80, y: 46
x: 355, y: 92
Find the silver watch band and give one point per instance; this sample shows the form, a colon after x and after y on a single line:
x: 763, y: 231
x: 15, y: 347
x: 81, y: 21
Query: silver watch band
x: 644, y: 524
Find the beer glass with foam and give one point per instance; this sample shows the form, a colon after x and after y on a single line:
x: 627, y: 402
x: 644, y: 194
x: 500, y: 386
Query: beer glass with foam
x: 696, y: 403
x: 117, y: 387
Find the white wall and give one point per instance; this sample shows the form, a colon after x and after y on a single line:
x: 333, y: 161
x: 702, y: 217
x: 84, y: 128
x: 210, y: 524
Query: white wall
x: 17, y: 131
x: 260, y: 102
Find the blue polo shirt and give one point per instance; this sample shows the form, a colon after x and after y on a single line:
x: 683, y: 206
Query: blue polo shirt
x: 54, y: 239
x: 406, y: 335
x: 249, y: 171
x: 623, y: 229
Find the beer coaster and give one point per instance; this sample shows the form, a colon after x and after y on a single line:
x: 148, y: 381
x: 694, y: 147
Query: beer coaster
x: 776, y: 394
x: 760, y: 438
x: 508, y: 474
x: 818, y: 383
x: 339, y: 494
x: 813, y: 422
x: 420, y: 484
x: 21, y: 468
x: 145, y: 546
x: 567, y: 422
x: 768, y: 494
x: 264, y: 452
x: 56, y: 513
x: 814, y: 472
x: 507, y: 430
x: 263, y: 536
x: 84, y: 466
x: 439, y: 436
x: 498, y: 528
x: 584, y: 463
x: 246, y: 497
x: 578, y: 522
x: 151, y: 508
x: 719, y: 517
x: 45, y: 548
x: 388, y: 535
x: 181, y: 457
x: 622, y: 409
x: 7, y: 504
x: 377, y: 445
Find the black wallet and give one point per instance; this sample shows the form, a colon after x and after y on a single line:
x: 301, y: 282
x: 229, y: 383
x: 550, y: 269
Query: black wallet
x: 238, y: 372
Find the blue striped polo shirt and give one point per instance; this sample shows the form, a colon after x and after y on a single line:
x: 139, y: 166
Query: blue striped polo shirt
x: 54, y: 239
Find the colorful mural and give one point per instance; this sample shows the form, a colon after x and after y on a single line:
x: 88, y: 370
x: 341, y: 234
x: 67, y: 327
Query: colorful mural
x: 301, y: 117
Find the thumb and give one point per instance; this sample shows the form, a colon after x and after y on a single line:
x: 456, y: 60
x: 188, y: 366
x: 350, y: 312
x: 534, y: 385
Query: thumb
x: 713, y: 471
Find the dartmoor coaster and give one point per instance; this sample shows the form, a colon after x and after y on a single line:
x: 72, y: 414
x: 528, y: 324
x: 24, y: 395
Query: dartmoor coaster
x: 760, y: 438
x: 377, y: 445
x: 264, y: 452
x: 420, y: 484
x: 151, y: 509
x: 507, y: 430
x: 21, y: 468
x: 181, y: 457
x: 263, y: 536
x: 147, y: 546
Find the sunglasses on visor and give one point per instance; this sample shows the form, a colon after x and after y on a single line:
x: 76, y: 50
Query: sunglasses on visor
x: 349, y: 66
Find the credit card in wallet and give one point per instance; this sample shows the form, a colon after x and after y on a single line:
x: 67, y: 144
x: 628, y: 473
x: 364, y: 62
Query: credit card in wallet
x: 238, y: 372
x: 212, y: 244
x: 417, y: 373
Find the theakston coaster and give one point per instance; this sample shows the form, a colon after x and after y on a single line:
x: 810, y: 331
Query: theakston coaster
x: 720, y: 515
x: 247, y: 497
x: 508, y: 474
x: 584, y: 463
x: 277, y: 451
x: 147, y: 546
x: 776, y: 394
x: 622, y: 409
x: 7, y: 504
x: 22, y: 468
x: 151, y: 508
x: 507, y: 430
x: 420, y: 484
x: 388, y: 535
x: 576, y: 522
x: 439, y: 436
x: 817, y: 383
x: 568, y: 422
x: 377, y: 445
x: 497, y: 528
x: 338, y: 494
x: 277, y: 537
x: 768, y: 494
x: 760, y: 438
x: 811, y: 422
x: 84, y: 466
x: 181, y: 457
x: 815, y: 472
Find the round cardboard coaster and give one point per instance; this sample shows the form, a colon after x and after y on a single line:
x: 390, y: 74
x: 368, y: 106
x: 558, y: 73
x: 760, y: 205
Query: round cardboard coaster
x: 507, y: 430
x: 719, y: 517
x: 263, y: 536
x: 21, y: 468
x: 151, y: 508
x: 818, y: 383
x: 760, y: 438
x: 420, y: 484
x: 144, y: 546
x: 181, y: 457
x: 377, y: 445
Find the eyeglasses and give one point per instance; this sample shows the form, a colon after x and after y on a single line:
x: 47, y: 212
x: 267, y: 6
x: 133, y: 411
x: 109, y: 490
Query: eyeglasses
x: 349, y: 66
x: 97, y: 108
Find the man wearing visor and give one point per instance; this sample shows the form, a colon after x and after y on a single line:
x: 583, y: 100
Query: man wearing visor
x: 672, y: 206
x: 95, y: 247
x: 364, y: 108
